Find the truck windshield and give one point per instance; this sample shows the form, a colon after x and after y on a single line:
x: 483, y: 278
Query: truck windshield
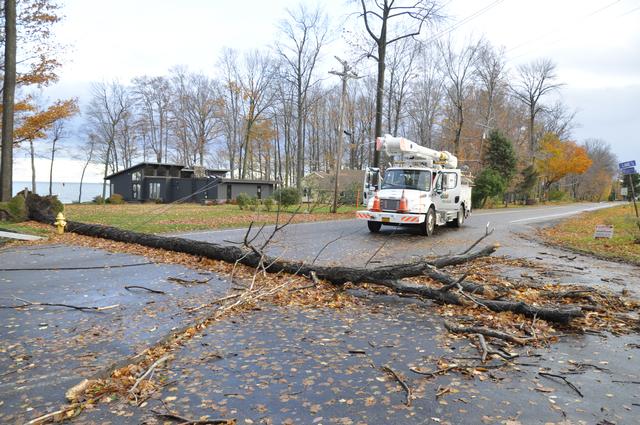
x: 407, y: 179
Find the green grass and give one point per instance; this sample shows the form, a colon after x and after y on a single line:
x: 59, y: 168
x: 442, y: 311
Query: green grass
x: 577, y: 233
x: 25, y: 227
x: 158, y: 218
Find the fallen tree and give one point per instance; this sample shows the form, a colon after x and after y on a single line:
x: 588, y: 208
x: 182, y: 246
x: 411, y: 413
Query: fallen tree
x: 389, y: 276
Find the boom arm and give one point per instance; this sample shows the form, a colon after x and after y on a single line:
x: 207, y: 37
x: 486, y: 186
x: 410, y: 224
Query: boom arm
x: 399, y: 146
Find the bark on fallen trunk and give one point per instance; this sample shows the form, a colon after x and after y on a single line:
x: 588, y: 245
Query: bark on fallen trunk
x: 445, y: 279
x: 550, y: 314
x: 233, y: 253
x: 389, y: 276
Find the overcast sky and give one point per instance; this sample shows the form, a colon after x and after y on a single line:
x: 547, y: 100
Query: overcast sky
x: 595, y: 43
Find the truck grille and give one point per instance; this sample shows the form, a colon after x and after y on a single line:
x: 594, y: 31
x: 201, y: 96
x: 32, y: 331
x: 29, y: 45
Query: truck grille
x: 389, y: 204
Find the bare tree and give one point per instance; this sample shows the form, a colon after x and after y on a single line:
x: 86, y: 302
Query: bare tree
x: 58, y: 132
x: 595, y: 184
x: 230, y: 95
x: 534, y: 80
x: 258, y: 95
x: 401, y: 68
x: 425, y: 100
x: 378, y: 17
x: 490, y: 69
x: 305, y: 33
x: 559, y: 119
x: 153, y: 95
x: 105, y: 112
x: 458, y: 67
x: 88, y: 152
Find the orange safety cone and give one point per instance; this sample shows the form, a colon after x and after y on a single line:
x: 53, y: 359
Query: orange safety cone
x: 402, y: 206
x: 376, y: 204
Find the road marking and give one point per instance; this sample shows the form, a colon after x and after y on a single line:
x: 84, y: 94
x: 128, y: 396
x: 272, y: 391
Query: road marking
x: 559, y: 215
x: 517, y: 210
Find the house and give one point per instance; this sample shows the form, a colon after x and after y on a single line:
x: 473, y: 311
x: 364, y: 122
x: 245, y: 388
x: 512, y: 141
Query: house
x: 319, y: 185
x: 150, y: 181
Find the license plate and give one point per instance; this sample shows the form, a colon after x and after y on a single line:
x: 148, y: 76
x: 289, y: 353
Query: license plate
x: 386, y: 219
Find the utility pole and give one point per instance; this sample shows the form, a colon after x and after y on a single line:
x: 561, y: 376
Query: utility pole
x: 633, y: 196
x: 344, y: 75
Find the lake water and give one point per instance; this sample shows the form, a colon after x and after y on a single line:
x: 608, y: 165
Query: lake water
x: 67, y: 192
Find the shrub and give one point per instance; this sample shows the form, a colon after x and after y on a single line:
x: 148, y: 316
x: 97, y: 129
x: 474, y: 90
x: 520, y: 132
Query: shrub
x: 115, y: 199
x: 350, y: 194
x: 556, y: 195
x: 488, y: 184
x: 287, y: 196
x: 243, y: 200
x: 98, y: 200
x: 17, y: 208
x: 253, y: 203
x: 268, y: 203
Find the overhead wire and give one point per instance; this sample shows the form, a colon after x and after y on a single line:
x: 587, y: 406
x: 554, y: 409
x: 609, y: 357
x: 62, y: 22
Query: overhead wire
x: 558, y: 28
x: 464, y: 21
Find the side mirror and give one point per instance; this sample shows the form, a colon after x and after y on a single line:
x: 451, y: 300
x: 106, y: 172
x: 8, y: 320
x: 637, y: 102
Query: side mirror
x: 439, y: 191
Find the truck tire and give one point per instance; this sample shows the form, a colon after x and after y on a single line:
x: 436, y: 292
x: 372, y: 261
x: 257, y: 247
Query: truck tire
x: 462, y: 213
x: 374, y: 226
x: 428, y: 226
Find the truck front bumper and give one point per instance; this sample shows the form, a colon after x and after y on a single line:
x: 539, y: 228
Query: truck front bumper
x: 389, y: 217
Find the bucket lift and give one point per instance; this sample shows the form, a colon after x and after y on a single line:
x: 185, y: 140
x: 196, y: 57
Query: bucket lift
x: 405, y: 153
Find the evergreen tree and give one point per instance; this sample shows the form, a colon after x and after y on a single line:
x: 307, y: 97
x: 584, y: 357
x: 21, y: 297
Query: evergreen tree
x: 635, y: 178
x: 501, y: 156
x: 487, y: 185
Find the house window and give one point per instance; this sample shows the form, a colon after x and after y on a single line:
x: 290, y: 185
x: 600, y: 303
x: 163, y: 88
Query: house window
x: 135, y: 191
x: 135, y: 184
x: 259, y: 189
x: 154, y: 190
x: 112, y: 189
x: 228, y: 191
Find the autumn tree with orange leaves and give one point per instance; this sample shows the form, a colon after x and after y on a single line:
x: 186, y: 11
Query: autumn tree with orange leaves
x: 39, y: 123
x: 37, y: 58
x: 559, y: 158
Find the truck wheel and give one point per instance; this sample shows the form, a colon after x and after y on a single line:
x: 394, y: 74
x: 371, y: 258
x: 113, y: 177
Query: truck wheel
x: 429, y: 224
x: 459, y: 221
x: 374, y: 226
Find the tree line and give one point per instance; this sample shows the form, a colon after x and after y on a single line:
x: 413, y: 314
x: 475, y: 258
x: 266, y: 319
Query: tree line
x: 274, y: 113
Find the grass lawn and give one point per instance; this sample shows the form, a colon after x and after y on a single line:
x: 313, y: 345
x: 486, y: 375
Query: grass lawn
x: 27, y: 227
x: 158, y: 218
x: 577, y: 233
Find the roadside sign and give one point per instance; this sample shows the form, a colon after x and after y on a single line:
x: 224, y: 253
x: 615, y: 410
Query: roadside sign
x: 603, y: 231
x: 626, y: 164
x: 624, y: 191
x: 628, y: 170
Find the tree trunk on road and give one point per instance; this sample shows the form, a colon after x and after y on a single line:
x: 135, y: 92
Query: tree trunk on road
x: 389, y: 276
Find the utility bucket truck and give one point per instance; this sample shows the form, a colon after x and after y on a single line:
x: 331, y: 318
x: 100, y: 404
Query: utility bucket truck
x: 423, y: 188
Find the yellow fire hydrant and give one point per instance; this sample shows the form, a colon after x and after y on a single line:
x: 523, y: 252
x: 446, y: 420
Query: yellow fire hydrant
x: 60, y: 223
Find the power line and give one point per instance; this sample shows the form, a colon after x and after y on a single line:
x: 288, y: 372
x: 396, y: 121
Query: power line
x: 558, y: 28
x: 464, y: 21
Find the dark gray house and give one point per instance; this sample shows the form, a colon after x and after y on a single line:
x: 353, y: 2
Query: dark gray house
x: 173, y: 182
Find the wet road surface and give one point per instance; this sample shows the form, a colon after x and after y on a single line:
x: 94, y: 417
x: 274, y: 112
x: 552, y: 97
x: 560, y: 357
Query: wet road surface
x: 350, y: 243
x: 292, y: 365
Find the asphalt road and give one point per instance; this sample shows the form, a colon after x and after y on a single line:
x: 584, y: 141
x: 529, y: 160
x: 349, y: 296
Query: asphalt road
x: 349, y: 242
x: 46, y: 350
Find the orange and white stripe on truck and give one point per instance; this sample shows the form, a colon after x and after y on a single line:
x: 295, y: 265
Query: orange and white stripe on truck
x: 410, y: 219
